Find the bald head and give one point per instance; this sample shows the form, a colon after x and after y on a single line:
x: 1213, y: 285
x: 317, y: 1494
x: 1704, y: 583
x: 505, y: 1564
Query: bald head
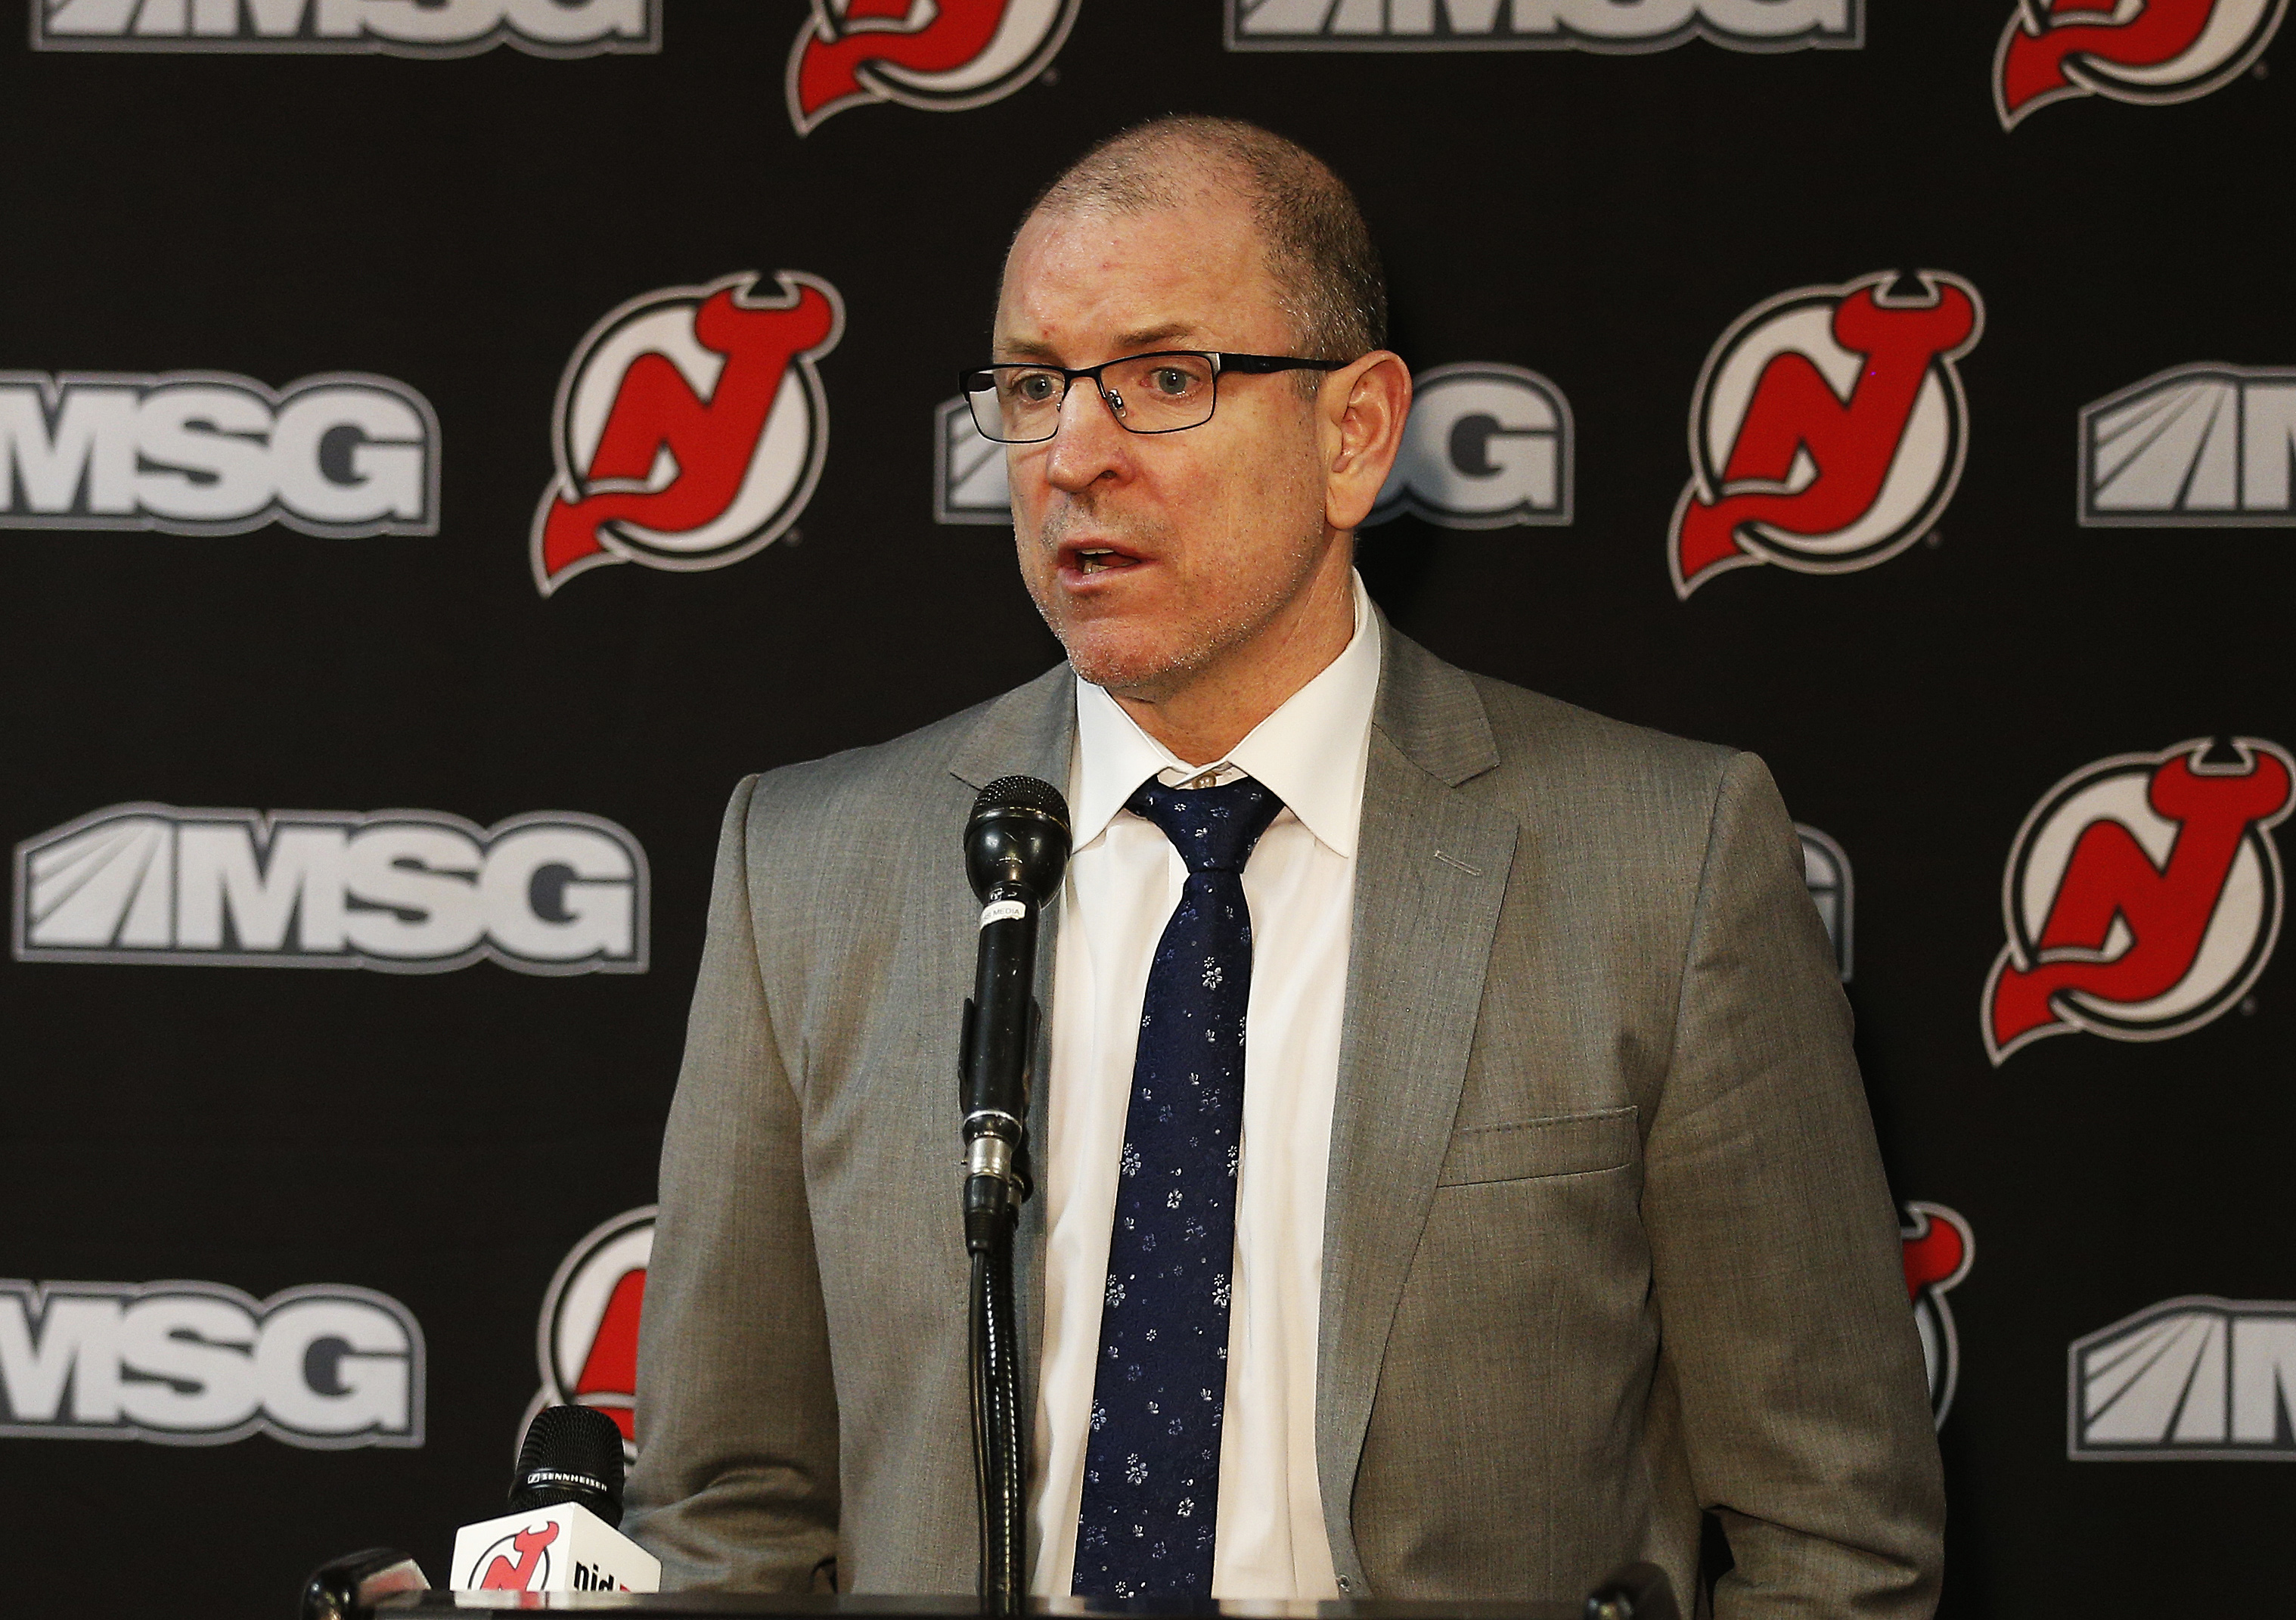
x: 1317, y: 249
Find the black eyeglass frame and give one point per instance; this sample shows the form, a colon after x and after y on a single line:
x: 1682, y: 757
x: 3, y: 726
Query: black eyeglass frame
x: 1248, y: 365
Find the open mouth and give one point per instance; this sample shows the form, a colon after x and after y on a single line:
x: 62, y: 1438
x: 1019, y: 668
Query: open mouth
x: 1089, y: 561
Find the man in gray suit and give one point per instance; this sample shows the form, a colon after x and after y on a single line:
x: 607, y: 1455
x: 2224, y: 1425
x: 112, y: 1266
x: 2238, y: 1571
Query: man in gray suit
x: 1540, y: 1216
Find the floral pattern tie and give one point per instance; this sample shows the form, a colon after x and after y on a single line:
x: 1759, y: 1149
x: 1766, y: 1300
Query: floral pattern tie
x: 1150, y: 1509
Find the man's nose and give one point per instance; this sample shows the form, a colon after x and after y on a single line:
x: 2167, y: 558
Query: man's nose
x: 1089, y: 445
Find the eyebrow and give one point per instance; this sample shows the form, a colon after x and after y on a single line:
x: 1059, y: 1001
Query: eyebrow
x: 1139, y: 340
x: 1134, y: 341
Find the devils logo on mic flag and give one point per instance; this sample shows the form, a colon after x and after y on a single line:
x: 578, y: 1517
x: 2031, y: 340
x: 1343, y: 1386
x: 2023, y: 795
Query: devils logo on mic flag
x: 563, y: 1548
x: 690, y: 428
x: 1828, y: 429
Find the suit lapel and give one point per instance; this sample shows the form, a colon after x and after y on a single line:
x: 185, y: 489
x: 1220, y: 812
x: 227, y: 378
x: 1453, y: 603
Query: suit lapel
x: 1030, y: 731
x: 1432, y: 865
x: 1027, y: 732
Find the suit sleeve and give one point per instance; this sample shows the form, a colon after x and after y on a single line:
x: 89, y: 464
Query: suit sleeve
x: 736, y: 1481
x: 1775, y: 1255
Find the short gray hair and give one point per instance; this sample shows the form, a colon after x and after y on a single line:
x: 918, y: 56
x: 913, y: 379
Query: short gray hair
x: 1318, y: 249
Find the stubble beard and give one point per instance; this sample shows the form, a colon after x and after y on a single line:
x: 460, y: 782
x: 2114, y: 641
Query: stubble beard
x: 1153, y: 668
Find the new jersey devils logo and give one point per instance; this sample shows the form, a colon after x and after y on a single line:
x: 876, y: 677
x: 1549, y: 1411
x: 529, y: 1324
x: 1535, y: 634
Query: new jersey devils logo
x: 520, y: 1561
x: 587, y: 1342
x: 2141, y: 51
x: 1828, y: 429
x: 1938, y: 1250
x: 690, y: 428
x: 2143, y: 896
x: 939, y: 56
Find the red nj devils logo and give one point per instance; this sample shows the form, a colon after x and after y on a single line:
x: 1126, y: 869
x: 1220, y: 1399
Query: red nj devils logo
x: 588, y: 1340
x: 2142, y: 51
x: 690, y: 428
x: 2143, y: 896
x: 1938, y: 1250
x: 939, y: 56
x: 532, y: 1568
x: 1828, y: 429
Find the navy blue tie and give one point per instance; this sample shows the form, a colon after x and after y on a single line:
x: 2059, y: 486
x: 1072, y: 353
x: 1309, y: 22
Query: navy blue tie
x: 1149, y: 1507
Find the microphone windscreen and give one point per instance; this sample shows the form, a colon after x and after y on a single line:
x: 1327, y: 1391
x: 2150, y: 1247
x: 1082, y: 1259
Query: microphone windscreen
x: 1018, y: 834
x: 571, y: 1454
x: 1023, y: 792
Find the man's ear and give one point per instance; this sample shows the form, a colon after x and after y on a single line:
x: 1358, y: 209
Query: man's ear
x: 1361, y: 409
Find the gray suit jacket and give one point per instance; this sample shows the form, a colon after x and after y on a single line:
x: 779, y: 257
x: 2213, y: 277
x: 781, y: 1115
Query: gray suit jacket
x: 1607, y: 1243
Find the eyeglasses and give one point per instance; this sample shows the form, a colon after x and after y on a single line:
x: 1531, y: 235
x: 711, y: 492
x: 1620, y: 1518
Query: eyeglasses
x: 1160, y: 392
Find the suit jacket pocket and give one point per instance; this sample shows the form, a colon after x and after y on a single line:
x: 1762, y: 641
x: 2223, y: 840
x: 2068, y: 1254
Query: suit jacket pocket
x: 1563, y: 1144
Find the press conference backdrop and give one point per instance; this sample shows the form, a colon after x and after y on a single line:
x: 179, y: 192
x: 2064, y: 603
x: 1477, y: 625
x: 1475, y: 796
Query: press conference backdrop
x: 444, y: 446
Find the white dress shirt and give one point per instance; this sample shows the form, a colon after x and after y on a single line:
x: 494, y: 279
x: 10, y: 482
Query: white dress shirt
x: 1123, y: 883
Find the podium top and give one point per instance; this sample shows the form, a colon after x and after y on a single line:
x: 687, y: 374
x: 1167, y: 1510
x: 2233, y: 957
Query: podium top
x: 769, y: 1606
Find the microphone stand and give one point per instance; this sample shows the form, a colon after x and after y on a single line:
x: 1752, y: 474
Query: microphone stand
x: 994, y: 1185
x: 1016, y: 848
x: 1000, y: 1465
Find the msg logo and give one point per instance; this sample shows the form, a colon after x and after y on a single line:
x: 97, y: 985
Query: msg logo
x: 395, y: 27
x: 401, y: 891
x: 197, y: 1363
x: 339, y: 455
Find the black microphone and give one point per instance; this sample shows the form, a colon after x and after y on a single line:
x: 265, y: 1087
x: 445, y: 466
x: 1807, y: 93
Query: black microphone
x: 558, y: 1535
x: 565, y: 1501
x: 1016, y: 847
x: 571, y: 1454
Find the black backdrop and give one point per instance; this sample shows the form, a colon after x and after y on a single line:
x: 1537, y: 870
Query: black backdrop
x: 458, y: 222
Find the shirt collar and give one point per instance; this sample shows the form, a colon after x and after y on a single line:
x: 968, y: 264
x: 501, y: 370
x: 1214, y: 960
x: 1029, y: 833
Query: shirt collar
x: 1310, y: 752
